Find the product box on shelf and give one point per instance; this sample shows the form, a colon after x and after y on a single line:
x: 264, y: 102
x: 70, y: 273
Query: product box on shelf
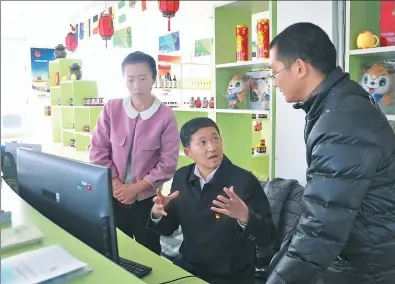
x: 387, y: 23
x: 258, y: 90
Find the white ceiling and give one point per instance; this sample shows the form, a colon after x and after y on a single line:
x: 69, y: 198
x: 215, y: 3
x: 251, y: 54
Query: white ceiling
x: 38, y: 21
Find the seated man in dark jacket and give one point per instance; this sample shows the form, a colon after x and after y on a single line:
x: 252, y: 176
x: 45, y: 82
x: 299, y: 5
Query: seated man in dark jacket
x: 346, y: 233
x: 222, y: 210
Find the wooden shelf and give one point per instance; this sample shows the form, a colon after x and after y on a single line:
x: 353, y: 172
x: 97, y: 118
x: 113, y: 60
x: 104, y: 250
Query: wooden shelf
x: 388, y: 51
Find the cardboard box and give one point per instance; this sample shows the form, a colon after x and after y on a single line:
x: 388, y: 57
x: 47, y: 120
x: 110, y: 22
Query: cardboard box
x: 387, y: 23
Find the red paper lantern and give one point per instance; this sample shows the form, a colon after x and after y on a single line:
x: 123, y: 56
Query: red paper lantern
x: 71, y: 42
x: 169, y: 9
x: 106, y: 27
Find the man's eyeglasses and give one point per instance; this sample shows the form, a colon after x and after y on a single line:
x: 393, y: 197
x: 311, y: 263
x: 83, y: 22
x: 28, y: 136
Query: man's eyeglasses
x: 273, y: 75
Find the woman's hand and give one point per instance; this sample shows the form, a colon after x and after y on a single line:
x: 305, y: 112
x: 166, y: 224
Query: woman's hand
x: 116, y: 183
x: 126, y: 193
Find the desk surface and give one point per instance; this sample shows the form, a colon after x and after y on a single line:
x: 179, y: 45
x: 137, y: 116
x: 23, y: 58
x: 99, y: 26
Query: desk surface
x: 104, y: 270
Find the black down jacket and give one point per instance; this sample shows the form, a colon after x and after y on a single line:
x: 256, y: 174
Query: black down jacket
x: 347, y: 231
x: 285, y: 197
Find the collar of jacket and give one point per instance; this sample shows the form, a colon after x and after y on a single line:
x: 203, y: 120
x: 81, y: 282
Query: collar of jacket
x: 319, y: 94
x: 219, y: 177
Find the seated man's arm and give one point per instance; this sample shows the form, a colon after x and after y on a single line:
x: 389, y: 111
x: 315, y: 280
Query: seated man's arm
x: 165, y: 225
x: 259, y: 228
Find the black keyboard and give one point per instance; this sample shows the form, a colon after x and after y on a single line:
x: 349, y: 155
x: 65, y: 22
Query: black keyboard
x: 136, y: 269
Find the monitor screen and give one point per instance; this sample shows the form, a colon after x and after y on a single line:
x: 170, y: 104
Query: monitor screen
x: 77, y: 196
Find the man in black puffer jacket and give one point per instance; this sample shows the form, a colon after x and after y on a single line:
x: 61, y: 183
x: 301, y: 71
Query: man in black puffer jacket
x: 285, y: 198
x: 347, y: 231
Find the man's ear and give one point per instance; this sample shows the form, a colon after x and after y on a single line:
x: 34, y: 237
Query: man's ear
x: 302, y: 67
x: 187, y: 152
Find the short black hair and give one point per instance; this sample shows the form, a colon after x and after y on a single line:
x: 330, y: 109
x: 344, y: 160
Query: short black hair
x: 194, y: 125
x: 140, y: 57
x: 308, y: 42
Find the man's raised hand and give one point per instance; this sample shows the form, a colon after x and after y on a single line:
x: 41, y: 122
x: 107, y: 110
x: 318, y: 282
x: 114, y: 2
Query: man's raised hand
x: 161, y: 202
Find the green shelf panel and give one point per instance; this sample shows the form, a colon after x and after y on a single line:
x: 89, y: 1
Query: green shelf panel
x: 66, y: 91
x: 227, y: 17
x: 273, y: 97
x: 61, y: 65
x: 67, y: 136
x: 55, y: 95
x: 364, y: 16
x: 77, y: 90
x: 67, y: 117
x: 68, y: 122
x: 56, y: 124
x: 260, y: 167
x: 81, y: 118
x: 183, y: 161
x: 237, y: 137
x: 265, y: 133
x: 82, y: 140
x: 83, y: 89
x: 53, y: 67
x: 94, y: 113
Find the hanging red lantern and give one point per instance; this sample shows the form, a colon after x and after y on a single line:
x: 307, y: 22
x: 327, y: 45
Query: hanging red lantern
x: 71, y: 42
x: 106, y: 27
x: 169, y: 9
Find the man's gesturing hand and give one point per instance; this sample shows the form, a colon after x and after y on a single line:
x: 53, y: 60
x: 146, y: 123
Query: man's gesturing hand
x: 232, y: 206
x: 161, y: 203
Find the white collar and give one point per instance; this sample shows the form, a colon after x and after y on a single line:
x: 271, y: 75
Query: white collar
x: 133, y: 113
x: 201, y: 179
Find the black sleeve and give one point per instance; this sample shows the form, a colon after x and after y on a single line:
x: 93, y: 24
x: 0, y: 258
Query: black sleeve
x: 338, y: 178
x: 260, y: 228
x: 168, y: 224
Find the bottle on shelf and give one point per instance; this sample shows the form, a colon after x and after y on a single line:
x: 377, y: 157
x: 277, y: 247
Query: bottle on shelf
x: 198, y: 103
x: 57, y: 79
x: 156, y: 83
x: 211, y: 103
x: 204, y: 102
x: 174, y: 82
x: 261, y: 148
x: 167, y: 81
x: 192, y: 102
x: 160, y: 81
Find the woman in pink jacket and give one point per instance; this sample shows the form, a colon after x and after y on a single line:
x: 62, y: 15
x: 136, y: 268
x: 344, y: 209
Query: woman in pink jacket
x: 138, y: 138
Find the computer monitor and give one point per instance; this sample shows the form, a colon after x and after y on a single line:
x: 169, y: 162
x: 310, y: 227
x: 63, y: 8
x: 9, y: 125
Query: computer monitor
x: 77, y: 196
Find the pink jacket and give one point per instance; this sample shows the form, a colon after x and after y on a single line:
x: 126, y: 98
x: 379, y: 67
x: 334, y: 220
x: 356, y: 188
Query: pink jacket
x: 155, y: 137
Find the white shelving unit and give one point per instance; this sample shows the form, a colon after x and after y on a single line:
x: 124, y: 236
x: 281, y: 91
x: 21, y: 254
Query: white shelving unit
x: 193, y: 79
x: 244, y: 111
x: 387, y: 51
x: 251, y: 64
